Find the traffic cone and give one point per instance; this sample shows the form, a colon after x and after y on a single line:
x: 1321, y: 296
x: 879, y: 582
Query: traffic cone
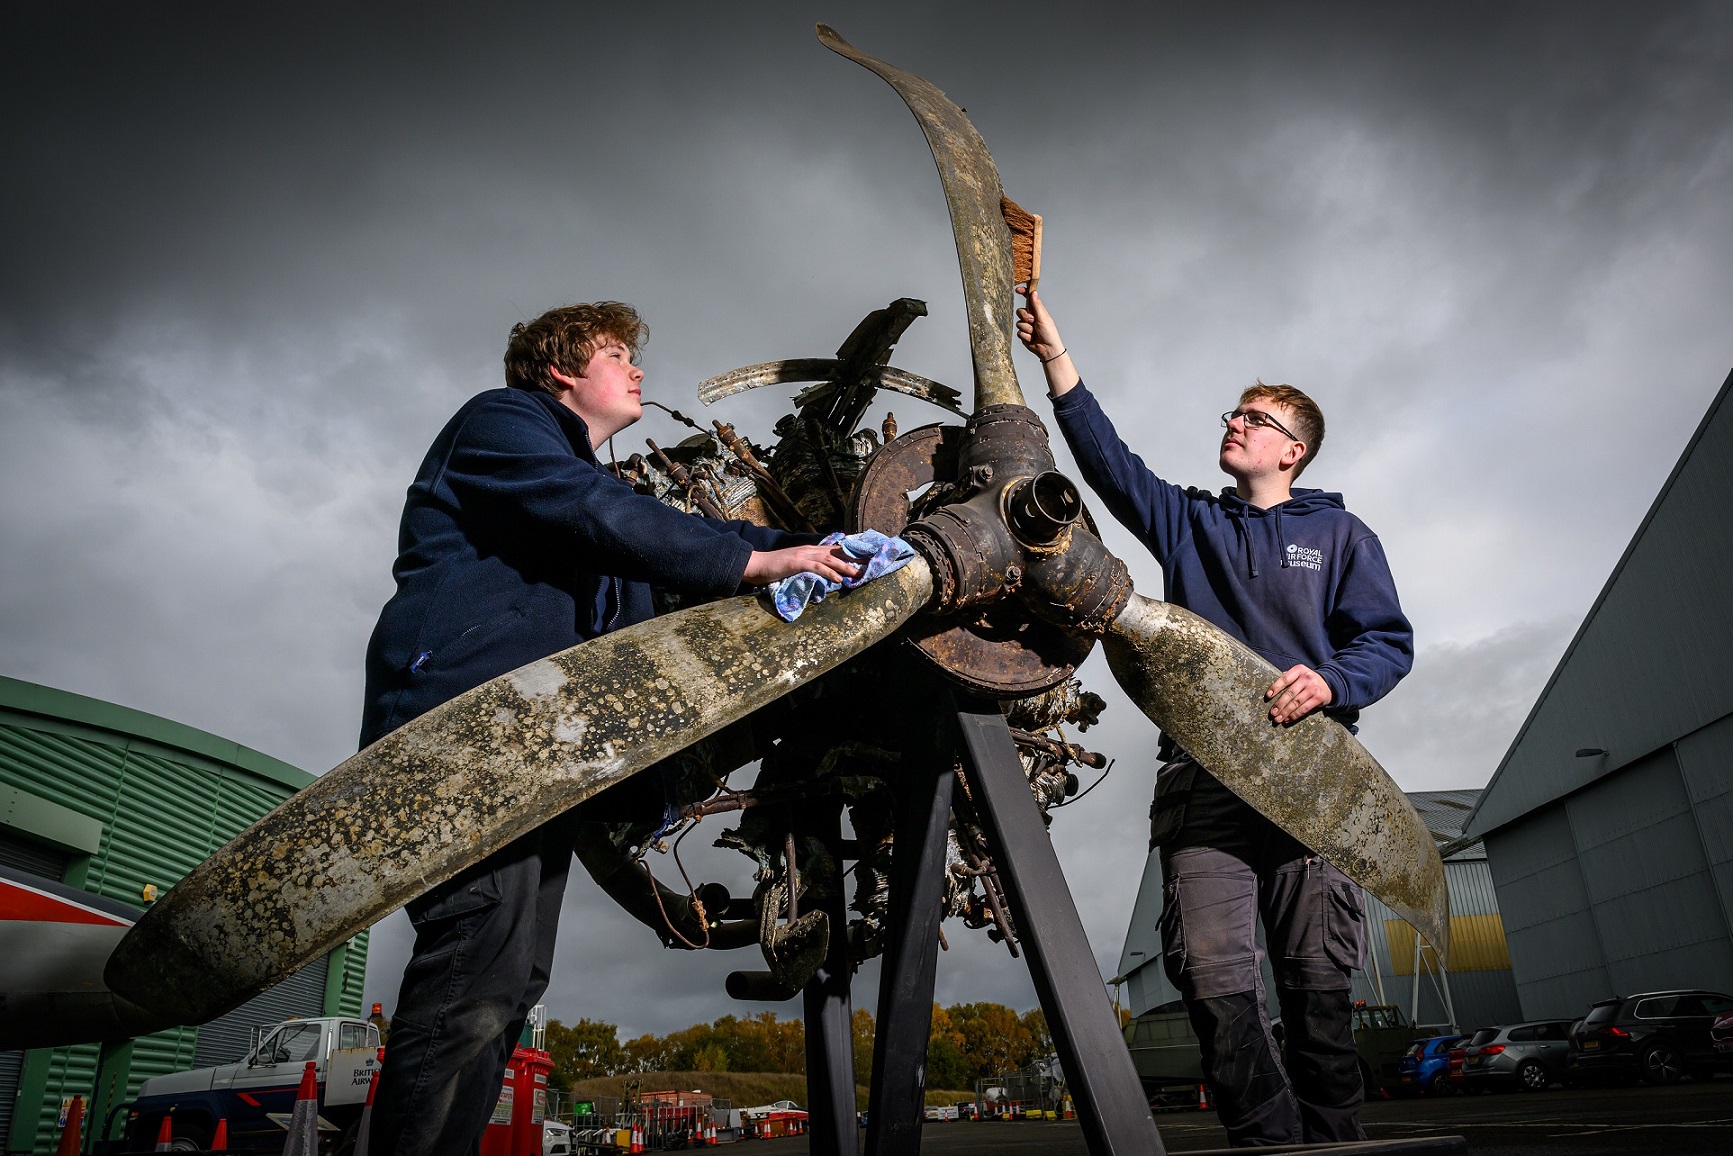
x: 637, y: 1137
x: 220, y: 1138
x: 304, y: 1124
x: 165, y: 1134
x: 363, y: 1129
x: 72, y: 1136
x: 1203, y: 1098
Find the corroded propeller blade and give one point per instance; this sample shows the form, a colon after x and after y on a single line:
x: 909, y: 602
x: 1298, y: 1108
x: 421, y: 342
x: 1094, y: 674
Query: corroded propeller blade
x: 447, y: 789
x: 972, y: 191
x: 1312, y: 779
x: 713, y: 389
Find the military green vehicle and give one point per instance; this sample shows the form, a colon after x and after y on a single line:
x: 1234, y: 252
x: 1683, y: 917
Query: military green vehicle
x: 1382, y: 1035
x: 1164, y: 1050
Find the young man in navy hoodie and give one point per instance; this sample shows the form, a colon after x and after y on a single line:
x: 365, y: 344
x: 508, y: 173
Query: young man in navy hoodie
x: 517, y: 543
x: 1293, y: 575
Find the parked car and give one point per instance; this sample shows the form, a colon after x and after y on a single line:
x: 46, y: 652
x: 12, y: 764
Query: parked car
x: 1721, y: 1033
x: 1658, y: 1036
x: 1425, y: 1066
x: 1531, y: 1056
x: 1456, y: 1059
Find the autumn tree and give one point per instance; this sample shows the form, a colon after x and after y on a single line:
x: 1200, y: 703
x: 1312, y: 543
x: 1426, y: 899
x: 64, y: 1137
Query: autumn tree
x: 862, y: 1030
x: 584, y: 1050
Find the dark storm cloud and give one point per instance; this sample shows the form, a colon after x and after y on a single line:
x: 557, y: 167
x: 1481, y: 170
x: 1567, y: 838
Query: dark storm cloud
x: 255, y: 256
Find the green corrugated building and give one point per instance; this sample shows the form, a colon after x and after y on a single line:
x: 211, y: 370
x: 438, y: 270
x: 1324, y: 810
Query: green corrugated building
x: 122, y: 804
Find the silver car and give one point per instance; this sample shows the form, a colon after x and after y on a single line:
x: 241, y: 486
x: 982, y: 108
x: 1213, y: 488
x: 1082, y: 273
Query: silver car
x: 1531, y: 1056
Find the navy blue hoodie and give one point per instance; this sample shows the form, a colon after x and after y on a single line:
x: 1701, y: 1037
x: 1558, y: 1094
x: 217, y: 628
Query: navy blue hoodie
x: 1302, y: 582
x: 516, y: 544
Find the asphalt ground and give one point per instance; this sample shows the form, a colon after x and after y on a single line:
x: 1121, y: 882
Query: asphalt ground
x: 1690, y: 1119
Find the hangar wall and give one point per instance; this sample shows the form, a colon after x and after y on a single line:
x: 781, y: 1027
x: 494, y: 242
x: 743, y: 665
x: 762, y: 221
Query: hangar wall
x: 1627, y: 884
x: 109, y: 801
x: 1609, y: 822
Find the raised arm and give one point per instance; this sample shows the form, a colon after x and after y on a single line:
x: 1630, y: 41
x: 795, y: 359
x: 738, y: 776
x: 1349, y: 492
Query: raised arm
x: 1040, y: 336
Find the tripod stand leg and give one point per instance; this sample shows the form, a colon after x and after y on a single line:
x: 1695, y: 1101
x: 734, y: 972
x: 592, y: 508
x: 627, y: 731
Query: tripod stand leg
x: 910, y: 962
x: 1110, y: 1101
x: 829, y: 1012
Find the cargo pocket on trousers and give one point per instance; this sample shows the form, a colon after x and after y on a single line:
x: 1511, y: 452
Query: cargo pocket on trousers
x: 471, y: 892
x: 1345, y: 926
x: 1172, y: 933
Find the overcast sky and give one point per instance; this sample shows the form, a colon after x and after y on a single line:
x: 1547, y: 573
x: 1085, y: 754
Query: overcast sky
x: 254, y: 256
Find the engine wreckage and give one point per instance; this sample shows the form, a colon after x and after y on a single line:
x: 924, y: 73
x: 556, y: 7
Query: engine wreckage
x: 843, y: 737
x: 1009, y: 591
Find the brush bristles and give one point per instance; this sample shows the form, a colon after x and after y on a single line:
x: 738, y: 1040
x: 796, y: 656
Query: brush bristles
x: 1025, y: 242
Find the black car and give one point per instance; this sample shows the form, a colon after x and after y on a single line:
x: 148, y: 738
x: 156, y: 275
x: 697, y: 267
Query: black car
x: 1659, y: 1036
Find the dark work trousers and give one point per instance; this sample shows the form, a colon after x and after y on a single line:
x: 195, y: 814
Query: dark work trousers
x: 484, y: 947
x: 1226, y: 867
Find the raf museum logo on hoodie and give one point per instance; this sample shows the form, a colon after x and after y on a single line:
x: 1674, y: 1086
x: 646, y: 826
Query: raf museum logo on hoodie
x: 1305, y: 556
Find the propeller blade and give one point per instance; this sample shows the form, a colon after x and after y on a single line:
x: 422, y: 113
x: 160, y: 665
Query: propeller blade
x: 1312, y: 778
x: 456, y: 784
x: 973, y: 192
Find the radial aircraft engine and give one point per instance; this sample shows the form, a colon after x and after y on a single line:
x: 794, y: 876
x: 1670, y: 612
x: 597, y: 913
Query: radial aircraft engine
x: 1010, y: 590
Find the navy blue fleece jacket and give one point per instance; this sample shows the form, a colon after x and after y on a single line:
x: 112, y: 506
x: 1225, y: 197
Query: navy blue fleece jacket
x: 516, y: 544
x: 1302, y: 582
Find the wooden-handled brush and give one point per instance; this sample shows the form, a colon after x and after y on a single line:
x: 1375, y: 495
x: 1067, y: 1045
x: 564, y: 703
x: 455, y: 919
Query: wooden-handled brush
x: 1025, y: 242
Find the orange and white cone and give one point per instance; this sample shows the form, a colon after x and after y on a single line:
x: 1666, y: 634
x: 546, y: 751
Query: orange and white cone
x: 165, y: 1135
x: 637, y: 1137
x: 72, y: 1136
x: 220, y: 1138
x: 304, y: 1124
x: 1203, y: 1104
x: 365, y: 1128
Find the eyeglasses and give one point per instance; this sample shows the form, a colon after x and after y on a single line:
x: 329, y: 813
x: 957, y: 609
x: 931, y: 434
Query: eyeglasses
x: 1257, y: 419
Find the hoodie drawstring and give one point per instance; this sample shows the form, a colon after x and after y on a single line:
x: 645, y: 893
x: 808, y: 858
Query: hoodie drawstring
x: 1250, y: 544
x: 1246, y: 538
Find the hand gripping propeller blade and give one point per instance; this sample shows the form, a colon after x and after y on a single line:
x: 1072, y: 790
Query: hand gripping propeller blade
x: 452, y: 786
x: 1312, y: 779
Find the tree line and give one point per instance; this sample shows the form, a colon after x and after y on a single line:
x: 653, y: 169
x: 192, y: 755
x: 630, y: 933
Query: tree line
x: 968, y: 1041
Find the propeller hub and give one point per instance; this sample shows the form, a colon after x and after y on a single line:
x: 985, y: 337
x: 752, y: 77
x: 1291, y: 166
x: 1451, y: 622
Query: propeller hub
x: 1020, y: 580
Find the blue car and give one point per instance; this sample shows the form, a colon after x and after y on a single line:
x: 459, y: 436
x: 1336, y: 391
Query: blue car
x: 1425, y: 1066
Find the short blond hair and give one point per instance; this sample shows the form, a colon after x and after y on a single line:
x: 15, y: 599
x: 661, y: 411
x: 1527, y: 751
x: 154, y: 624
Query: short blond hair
x: 1308, y: 418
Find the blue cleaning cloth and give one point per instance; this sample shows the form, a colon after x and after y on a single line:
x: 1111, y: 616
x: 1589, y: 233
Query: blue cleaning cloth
x: 876, y: 553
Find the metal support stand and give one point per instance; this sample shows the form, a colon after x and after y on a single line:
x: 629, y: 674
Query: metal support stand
x: 1111, y: 1106
x: 829, y: 1012
x: 1110, y: 1102
x: 899, y: 1083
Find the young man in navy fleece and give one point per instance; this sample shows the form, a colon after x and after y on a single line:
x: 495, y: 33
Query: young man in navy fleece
x: 516, y: 543
x: 1293, y: 575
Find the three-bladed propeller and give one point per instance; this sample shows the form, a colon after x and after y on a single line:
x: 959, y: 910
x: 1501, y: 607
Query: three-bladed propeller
x: 449, y: 788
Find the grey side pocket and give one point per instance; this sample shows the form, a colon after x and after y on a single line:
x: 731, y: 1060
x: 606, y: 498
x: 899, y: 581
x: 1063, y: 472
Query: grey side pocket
x: 1345, y: 926
x: 1172, y: 933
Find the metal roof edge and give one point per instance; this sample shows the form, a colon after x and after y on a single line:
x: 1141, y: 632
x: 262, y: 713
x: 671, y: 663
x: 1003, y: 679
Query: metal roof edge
x: 1471, y: 826
x: 31, y: 698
